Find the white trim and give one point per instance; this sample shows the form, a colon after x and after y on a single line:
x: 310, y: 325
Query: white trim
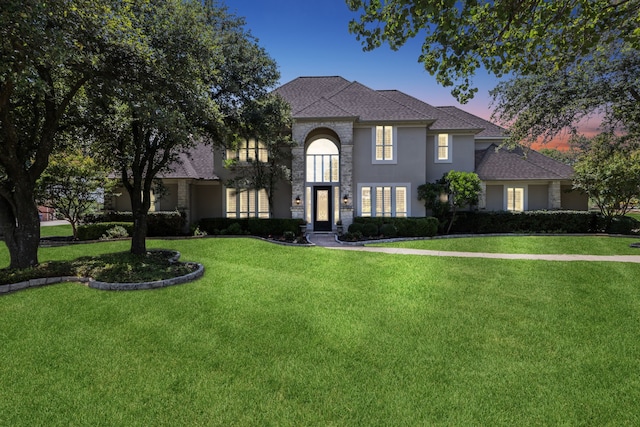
x: 394, y: 146
x: 393, y: 186
x: 449, y: 158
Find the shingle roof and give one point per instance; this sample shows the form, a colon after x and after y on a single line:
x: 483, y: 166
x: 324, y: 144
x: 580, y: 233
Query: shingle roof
x: 336, y: 97
x: 197, y: 164
x: 504, y: 164
x: 443, y: 119
x: 318, y: 97
x: 490, y: 130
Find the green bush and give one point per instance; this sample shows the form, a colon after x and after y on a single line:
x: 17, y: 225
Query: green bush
x: 527, y: 222
x: 264, y: 227
x: 169, y: 223
x: 388, y: 230
x: 426, y: 227
x: 405, y: 227
x: 355, y: 227
x: 370, y: 229
x: 623, y: 225
x: 234, y: 229
x: 96, y: 231
x: 116, y: 232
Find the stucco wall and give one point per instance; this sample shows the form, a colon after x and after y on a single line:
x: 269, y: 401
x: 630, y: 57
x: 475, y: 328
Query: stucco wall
x: 168, y: 201
x: 573, y: 200
x: 495, y: 198
x: 206, y: 201
x: 462, y: 152
x: 538, y: 197
x: 409, y: 167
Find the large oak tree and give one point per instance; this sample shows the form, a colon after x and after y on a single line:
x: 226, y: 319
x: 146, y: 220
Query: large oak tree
x: 201, y: 66
x: 567, y: 59
x: 48, y: 52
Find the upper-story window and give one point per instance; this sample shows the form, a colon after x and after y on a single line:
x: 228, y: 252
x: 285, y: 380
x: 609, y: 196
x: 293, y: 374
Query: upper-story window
x: 249, y: 150
x: 323, y: 161
x: 384, y: 145
x: 443, y: 148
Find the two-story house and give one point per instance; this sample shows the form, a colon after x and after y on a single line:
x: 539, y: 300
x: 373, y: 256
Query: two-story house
x: 364, y: 152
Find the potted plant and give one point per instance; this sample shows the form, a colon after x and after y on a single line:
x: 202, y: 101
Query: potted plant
x: 339, y: 227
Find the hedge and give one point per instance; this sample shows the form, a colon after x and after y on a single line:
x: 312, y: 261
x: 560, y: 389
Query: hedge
x: 255, y: 226
x: 170, y: 223
x: 540, y: 222
x: 96, y: 231
x: 394, y: 226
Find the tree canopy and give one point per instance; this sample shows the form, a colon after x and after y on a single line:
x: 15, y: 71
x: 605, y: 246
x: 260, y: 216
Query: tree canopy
x: 48, y: 52
x: 267, y: 121
x: 502, y: 36
x: 201, y: 66
x: 609, y: 172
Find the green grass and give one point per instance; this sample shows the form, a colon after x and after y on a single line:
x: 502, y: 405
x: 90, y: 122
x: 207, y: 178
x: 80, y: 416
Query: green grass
x: 581, y: 245
x: 56, y: 230
x: 635, y: 215
x: 289, y: 336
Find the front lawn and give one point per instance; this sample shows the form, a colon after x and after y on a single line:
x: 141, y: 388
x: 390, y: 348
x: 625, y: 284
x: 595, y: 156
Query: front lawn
x: 578, y: 245
x: 275, y: 335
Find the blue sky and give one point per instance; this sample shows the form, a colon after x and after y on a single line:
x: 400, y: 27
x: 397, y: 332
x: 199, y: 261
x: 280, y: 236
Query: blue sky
x: 311, y: 38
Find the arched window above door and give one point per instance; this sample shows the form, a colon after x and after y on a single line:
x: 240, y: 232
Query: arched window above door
x: 323, y: 161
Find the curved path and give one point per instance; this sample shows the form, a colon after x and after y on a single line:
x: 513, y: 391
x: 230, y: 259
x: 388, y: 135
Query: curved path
x: 329, y: 241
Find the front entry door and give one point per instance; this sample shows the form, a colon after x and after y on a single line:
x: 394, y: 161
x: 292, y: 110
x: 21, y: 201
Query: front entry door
x: 322, y: 209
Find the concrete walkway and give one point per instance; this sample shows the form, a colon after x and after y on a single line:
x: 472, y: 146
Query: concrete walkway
x: 328, y: 240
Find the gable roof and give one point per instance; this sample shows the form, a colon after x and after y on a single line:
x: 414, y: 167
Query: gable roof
x: 489, y: 130
x: 196, y: 164
x: 337, y: 98
x: 497, y: 164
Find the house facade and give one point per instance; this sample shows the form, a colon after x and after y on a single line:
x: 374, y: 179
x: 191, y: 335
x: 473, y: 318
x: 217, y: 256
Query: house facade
x: 364, y: 152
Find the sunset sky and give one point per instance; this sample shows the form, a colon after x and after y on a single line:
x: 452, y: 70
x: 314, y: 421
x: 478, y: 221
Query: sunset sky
x: 311, y: 38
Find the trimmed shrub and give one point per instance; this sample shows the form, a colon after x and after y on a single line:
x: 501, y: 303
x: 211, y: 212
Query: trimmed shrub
x: 527, y: 222
x: 169, y: 223
x: 234, y: 229
x: 623, y: 225
x: 370, y: 229
x: 264, y: 227
x: 117, y: 232
x: 96, y: 231
x: 355, y: 227
x: 426, y: 227
x: 404, y: 227
x: 388, y: 230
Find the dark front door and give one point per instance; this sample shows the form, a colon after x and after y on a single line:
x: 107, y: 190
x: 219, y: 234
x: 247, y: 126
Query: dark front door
x: 322, y: 209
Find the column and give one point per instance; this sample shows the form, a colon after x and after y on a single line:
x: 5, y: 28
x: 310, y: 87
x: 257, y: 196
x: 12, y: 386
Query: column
x: 555, y: 195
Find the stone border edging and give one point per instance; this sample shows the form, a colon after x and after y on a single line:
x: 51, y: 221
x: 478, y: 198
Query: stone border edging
x: 108, y: 286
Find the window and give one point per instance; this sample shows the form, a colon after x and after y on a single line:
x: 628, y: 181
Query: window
x: 384, y: 200
x: 443, y: 148
x: 365, y: 201
x: 384, y: 149
x: 515, y: 199
x: 247, y: 203
x: 249, y: 150
x: 323, y: 161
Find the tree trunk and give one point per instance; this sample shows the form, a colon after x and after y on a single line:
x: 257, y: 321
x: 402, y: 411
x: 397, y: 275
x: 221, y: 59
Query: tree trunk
x: 139, y: 238
x: 20, y: 223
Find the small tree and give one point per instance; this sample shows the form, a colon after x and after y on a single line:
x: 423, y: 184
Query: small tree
x: 71, y: 185
x: 609, y: 172
x: 464, y: 190
x: 432, y: 193
x: 268, y: 121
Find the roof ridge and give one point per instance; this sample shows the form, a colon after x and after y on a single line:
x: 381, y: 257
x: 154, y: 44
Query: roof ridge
x: 459, y: 118
x: 405, y: 105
